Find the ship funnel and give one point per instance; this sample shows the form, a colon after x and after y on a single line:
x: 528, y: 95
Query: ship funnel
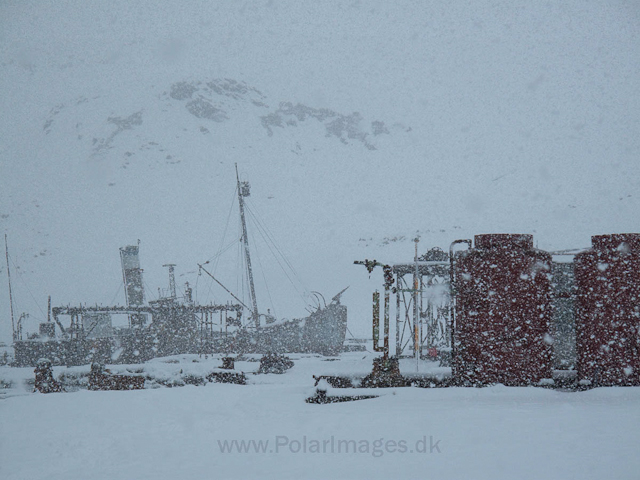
x: 132, y: 274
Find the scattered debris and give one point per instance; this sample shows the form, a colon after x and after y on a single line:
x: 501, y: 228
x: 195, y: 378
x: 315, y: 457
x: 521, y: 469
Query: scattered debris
x: 334, y: 381
x: 227, y: 363
x: 45, y: 383
x: 321, y: 397
x: 102, y: 379
x: 227, y: 377
x: 274, y: 363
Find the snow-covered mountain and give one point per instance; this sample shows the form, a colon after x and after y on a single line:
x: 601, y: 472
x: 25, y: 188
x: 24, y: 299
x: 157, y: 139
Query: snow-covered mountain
x: 359, y: 125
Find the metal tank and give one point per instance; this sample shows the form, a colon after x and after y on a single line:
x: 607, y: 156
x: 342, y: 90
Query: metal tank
x: 608, y: 310
x: 503, y: 312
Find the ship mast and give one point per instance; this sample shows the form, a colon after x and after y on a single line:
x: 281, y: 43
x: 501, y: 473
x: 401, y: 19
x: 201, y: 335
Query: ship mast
x: 243, y: 191
x: 6, y: 250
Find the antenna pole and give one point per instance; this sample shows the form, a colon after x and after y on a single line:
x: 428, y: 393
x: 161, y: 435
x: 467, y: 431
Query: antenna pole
x: 6, y: 251
x: 243, y: 191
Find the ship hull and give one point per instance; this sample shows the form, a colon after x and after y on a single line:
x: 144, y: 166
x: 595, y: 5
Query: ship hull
x: 323, y: 332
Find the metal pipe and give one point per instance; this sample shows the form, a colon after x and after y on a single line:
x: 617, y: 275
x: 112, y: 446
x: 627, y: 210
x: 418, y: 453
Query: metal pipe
x: 416, y: 338
x: 388, y: 281
x: 398, y: 345
x: 376, y: 322
x: 420, y: 310
x: 386, y: 321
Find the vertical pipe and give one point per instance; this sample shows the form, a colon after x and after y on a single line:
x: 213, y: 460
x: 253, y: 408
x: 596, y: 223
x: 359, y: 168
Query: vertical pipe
x: 452, y: 306
x: 386, y: 321
x: 420, y: 310
x: 416, y: 339
x: 376, y: 320
x: 398, y: 346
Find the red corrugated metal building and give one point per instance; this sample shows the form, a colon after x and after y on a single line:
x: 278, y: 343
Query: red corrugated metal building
x: 608, y: 310
x: 503, y: 312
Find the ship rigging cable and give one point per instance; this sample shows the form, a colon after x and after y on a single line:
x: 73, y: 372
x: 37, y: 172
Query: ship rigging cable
x: 19, y: 276
x: 277, y: 254
x: 268, y: 238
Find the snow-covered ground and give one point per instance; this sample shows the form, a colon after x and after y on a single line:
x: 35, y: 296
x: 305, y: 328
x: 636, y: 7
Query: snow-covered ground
x: 454, y: 433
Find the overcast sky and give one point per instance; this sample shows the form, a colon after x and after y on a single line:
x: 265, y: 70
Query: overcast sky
x: 504, y: 116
